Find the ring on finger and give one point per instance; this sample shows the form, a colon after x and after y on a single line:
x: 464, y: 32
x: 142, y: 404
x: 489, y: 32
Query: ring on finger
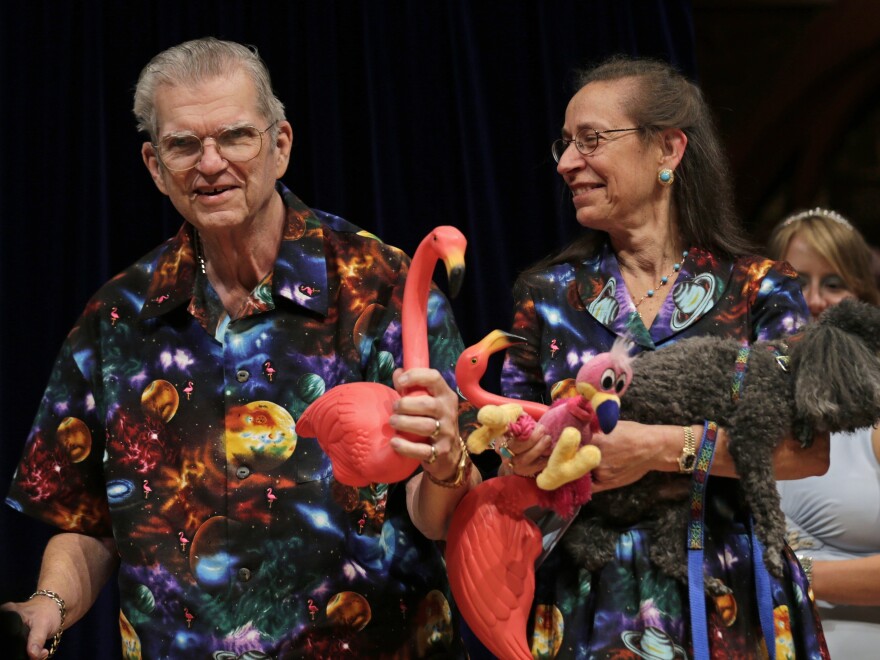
x: 436, y: 431
x: 506, y: 451
x: 433, y: 455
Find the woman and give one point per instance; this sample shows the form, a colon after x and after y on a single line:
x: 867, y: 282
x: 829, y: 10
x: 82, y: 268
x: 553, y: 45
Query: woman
x: 662, y: 258
x: 832, y: 519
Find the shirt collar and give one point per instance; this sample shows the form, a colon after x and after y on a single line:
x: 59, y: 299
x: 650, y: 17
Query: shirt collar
x: 701, y: 283
x: 299, y: 273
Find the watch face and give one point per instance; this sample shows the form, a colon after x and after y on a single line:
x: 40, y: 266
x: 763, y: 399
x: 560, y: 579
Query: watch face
x: 687, y: 463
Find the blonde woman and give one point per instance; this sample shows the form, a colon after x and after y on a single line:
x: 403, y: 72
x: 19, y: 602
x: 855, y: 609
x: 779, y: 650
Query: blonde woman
x: 832, y: 519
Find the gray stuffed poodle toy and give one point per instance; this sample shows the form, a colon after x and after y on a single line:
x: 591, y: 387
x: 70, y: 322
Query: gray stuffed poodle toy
x: 824, y: 379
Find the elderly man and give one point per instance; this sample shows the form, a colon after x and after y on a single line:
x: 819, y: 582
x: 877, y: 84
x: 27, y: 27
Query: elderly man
x: 166, y: 440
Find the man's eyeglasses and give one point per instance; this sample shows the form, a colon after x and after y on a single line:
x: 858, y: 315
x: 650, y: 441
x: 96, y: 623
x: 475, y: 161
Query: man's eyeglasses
x: 586, y: 141
x: 183, y: 151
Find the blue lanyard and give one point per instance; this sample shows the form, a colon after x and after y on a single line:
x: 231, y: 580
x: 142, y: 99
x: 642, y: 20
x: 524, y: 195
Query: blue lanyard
x: 696, y: 596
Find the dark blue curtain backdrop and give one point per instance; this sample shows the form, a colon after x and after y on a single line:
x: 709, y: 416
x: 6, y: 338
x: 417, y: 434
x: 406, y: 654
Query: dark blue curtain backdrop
x: 406, y: 114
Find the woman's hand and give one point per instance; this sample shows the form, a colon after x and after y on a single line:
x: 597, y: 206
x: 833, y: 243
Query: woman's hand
x: 525, y: 458
x: 632, y: 450
x: 431, y: 414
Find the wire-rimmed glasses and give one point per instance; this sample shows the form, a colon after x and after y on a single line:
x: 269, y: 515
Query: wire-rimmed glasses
x: 586, y: 141
x: 238, y: 144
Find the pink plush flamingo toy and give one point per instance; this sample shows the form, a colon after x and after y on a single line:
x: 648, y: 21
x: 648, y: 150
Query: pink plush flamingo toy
x: 491, y: 546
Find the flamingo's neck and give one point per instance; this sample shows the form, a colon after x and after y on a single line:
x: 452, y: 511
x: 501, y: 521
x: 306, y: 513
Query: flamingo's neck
x: 414, y: 315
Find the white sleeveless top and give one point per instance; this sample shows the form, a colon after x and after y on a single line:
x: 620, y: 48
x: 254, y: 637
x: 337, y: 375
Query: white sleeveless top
x: 837, y: 516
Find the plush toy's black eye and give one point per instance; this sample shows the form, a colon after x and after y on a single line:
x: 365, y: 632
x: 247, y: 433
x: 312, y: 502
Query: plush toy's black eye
x: 607, y: 381
x: 620, y: 384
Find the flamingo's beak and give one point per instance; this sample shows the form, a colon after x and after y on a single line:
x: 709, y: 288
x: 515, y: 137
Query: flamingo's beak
x: 606, y: 405
x: 454, y: 262
x: 498, y: 340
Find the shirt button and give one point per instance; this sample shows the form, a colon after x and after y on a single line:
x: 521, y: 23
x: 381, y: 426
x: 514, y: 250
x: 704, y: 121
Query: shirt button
x: 244, y: 574
x: 243, y: 472
x: 242, y: 375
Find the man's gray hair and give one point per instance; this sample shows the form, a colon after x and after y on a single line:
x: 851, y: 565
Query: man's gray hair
x: 197, y: 61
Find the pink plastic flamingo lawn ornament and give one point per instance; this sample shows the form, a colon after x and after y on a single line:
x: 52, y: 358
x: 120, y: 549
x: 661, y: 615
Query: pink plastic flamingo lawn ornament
x: 350, y: 420
x: 492, y: 545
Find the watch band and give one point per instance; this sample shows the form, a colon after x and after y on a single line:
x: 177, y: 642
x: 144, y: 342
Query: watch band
x: 688, y: 457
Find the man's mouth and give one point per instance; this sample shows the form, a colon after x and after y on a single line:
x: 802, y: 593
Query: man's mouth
x: 212, y: 192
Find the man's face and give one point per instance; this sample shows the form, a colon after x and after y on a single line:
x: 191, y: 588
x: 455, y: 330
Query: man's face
x: 218, y: 194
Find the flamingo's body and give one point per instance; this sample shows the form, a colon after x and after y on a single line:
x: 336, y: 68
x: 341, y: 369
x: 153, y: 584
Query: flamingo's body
x: 490, y: 556
x: 183, y: 541
x: 270, y: 496
x: 147, y: 489
x: 491, y: 544
x: 350, y: 420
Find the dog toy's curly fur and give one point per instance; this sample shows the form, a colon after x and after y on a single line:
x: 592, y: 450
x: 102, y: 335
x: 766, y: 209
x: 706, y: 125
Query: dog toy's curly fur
x: 832, y: 383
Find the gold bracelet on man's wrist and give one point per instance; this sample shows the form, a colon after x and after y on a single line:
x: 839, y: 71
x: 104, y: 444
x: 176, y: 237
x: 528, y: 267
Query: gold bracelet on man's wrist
x: 62, y: 608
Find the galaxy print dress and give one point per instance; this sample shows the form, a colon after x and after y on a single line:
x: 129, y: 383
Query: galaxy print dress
x: 173, y: 429
x: 629, y: 608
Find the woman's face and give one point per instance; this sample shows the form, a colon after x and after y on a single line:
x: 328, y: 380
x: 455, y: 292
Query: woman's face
x: 616, y: 185
x: 822, y: 285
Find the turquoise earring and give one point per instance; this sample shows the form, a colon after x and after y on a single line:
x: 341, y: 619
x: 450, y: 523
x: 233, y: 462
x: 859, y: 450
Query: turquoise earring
x: 666, y: 176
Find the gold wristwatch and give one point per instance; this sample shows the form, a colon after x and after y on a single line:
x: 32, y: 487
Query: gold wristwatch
x: 688, y: 458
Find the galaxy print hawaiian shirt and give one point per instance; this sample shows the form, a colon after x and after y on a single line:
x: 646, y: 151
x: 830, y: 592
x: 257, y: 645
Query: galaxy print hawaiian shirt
x: 570, y: 312
x: 173, y: 429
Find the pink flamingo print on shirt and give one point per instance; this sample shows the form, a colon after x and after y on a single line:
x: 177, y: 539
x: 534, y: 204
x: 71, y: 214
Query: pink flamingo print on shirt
x: 313, y: 609
x: 270, y: 496
x: 114, y: 315
x: 183, y: 541
x: 188, y: 390
x: 147, y: 489
x: 189, y: 617
x: 268, y: 369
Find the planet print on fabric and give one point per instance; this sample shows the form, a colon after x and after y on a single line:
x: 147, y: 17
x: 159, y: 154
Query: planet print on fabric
x: 310, y: 387
x: 349, y: 609
x: 212, y: 556
x: 261, y: 434
x: 75, y: 438
x: 131, y: 643
x: 547, y: 636
x: 653, y: 643
x: 433, y: 624
x: 160, y: 400
x: 726, y: 607
x: 364, y: 324
x: 692, y: 298
x: 144, y: 599
x: 605, y: 307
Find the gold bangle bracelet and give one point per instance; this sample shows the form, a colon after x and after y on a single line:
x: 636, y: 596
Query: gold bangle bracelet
x: 462, y: 471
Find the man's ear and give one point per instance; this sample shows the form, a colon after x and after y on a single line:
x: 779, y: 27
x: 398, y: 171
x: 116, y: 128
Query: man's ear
x: 673, y: 142
x: 283, y: 146
x: 151, y: 160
